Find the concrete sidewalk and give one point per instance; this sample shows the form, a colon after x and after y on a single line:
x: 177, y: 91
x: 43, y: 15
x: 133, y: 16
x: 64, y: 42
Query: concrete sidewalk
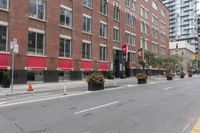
x: 72, y: 86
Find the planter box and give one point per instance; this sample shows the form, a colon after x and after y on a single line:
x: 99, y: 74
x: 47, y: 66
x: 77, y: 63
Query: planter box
x: 190, y: 76
x: 5, y: 83
x: 169, y: 78
x: 92, y: 86
x: 142, y: 81
x: 182, y: 77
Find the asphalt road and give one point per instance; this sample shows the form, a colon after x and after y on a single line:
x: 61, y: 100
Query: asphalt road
x: 158, y: 107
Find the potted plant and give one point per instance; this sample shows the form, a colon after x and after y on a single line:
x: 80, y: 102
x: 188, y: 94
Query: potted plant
x: 142, y: 78
x: 189, y: 74
x: 182, y: 75
x: 110, y: 75
x: 122, y: 75
x: 5, y: 80
x: 95, y: 81
x: 169, y: 76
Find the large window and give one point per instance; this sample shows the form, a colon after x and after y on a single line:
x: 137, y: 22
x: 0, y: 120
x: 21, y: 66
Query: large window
x: 103, y: 7
x: 86, y: 50
x: 116, y: 34
x: 87, y: 24
x: 132, y: 57
x: 102, y: 53
x: 35, y: 43
x: 37, y: 9
x: 130, y: 39
x: 116, y: 14
x: 87, y: 3
x: 4, y: 4
x: 103, y: 30
x: 65, y: 47
x: 65, y: 17
x: 3, y: 38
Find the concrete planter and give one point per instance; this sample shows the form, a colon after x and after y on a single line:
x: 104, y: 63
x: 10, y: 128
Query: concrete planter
x: 92, y: 86
x: 142, y: 81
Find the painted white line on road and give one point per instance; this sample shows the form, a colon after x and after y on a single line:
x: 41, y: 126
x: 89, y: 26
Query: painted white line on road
x: 129, y: 85
x: 186, y: 127
x: 166, y: 89
x: 2, y: 103
x: 40, y: 99
x: 97, y: 107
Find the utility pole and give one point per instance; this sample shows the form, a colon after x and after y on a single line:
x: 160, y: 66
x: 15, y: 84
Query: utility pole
x: 14, y: 48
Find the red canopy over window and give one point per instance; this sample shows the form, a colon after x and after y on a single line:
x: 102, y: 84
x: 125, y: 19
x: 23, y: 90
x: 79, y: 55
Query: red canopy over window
x: 36, y: 63
x: 103, y: 66
x: 65, y: 64
x: 4, y: 61
x: 86, y: 66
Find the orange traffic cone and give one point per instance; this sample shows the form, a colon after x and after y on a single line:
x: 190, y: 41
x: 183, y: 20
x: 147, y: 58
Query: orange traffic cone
x: 30, y: 88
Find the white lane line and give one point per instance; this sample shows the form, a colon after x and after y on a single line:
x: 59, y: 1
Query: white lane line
x: 166, y: 89
x: 129, y: 85
x: 40, y: 99
x: 186, y: 127
x: 2, y: 103
x: 97, y: 107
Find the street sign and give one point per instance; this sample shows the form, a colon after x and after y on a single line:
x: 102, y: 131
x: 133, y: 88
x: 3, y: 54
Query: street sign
x: 124, y: 49
x: 16, y: 48
x: 140, y: 54
x: 11, y: 44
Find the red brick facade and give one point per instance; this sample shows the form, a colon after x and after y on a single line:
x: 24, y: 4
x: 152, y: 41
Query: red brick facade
x: 19, y: 23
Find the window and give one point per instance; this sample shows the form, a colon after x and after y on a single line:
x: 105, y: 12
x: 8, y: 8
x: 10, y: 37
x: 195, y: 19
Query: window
x: 154, y: 20
x: 154, y: 33
x: 132, y: 57
x: 103, y: 30
x: 87, y: 3
x: 35, y: 43
x: 143, y: 43
x: 116, y: 14
x: 131, y: 4
x: 37, y: 9
x: 130, y: 20
x: 86, y: 50
x: 3, y: 38
x: 115, y: 34
x: 103, y: 7
x: 163, y: 38
x: 130, y: 39
x: 143, y: 13
x: 66, y: 17
x: 4, y: 4
x: 154, y: 47
x: 102, y: 53
x: 65, y: 47
x: 154, y: 5
x: 86, y: 24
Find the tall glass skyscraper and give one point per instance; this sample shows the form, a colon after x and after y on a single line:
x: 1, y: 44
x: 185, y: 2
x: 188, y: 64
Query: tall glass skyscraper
x: 183, y: 20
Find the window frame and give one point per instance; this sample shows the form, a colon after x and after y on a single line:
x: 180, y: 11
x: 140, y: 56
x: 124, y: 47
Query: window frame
x: 71, y: 16
x: 7, y: 6
x: 36, y: 15
x: 6, y: 26
x: 65, y: 38
x: 101, y: 52
x: 85, y: 50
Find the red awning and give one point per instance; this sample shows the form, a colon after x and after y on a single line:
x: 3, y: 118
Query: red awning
x: 4, y: 61
x: 103, y: 66
x: 36, y: 63
x: 65, y: 64
x: 86, y: 66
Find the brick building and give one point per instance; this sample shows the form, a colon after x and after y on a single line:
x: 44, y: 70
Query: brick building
x: 61, y: 39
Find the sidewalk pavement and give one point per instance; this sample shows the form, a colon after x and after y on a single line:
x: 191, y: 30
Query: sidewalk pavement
x: 72, y: 86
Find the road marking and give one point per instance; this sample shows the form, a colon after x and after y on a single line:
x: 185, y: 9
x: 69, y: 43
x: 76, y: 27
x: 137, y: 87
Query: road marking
x: 129, y: 85
x: 2, y: 103
x: 40, y: 99
x: 97, y: 107
x: 196, y: 128
x: 166, y: 89
x: 184, y: 129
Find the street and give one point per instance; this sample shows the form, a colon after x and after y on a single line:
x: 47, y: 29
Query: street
x: 157, y: 107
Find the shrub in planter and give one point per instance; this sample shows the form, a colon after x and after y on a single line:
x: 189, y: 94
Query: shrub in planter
x: 122, y: 75
x: 5, y: 80
x: 95, y: 81
x: 110, y: 75
x: 182, y: 75
x: 169, y: 76
x: 189, y: 74
x: 142, y: 78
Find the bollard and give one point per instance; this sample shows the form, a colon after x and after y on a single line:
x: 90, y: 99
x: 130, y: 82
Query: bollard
x: 65, y: 87
x: 114, y: 82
